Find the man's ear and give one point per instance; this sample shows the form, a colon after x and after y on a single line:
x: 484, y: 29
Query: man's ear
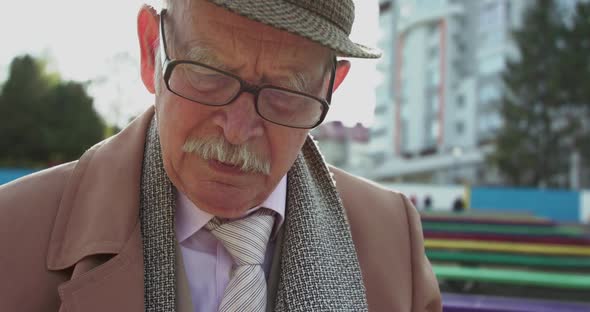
x: 148, y: 32
x: 342, y: 68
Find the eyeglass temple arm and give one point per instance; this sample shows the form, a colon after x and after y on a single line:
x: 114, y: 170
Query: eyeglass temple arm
x: 163, y: 54
x: 331, y: 87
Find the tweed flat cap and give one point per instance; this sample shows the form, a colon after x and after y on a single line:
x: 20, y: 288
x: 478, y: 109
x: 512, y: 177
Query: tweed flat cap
x: 327, y: 22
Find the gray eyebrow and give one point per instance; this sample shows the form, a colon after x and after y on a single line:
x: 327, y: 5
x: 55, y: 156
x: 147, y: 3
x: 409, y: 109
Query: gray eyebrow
x: 205, y: 55
x: 296, y: 81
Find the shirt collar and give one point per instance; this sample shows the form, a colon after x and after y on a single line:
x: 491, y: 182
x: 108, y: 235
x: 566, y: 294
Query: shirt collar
x: 190, y: 219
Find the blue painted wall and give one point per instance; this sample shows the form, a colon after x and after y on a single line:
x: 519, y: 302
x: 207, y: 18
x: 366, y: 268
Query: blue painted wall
x: 9, y: 174
x: 558, y: 205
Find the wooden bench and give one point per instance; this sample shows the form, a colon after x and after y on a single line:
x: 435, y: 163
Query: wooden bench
x: 508, y: 259
x: 511, y: 276
x: 511, y: 247
x: 469, y: 250
x: 480, y: 303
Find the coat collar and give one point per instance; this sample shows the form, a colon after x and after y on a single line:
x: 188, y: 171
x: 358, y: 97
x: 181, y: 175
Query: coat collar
x: 99, y: 208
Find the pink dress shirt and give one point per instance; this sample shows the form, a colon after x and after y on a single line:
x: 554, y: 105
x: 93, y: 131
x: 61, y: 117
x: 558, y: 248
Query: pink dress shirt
x: 207, y: 263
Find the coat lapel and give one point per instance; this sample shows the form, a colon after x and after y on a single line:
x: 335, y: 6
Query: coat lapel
x: 116, y: 285
x: 99, y: 208
x: 96, y: 234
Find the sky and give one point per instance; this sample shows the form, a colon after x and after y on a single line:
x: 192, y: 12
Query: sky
x: 97, y: 41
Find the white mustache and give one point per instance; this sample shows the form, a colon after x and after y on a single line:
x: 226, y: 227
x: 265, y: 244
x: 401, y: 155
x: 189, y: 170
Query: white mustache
x: 217, y: 148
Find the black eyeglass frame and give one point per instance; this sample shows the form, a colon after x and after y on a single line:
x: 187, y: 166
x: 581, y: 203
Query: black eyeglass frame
x: 169, y: 64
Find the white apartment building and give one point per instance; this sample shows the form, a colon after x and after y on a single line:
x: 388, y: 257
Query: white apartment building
x: 383, y: 128
x: 437, y: 102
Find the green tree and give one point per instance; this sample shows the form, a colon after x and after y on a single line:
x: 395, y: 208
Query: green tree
x: 22, y: 97
x: 72, y: 124
x: 44, y: 120
x: 543, y: 126
x: 576, y: 81
x: 576, y: 56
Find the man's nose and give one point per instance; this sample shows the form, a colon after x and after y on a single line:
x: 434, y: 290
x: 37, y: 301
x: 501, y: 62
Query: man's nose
x: 239, y: 120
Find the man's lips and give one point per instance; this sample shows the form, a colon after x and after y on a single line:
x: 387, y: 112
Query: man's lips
x: 225, y: 167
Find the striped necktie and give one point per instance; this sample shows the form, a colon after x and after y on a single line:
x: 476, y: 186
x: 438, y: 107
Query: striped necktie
x: 246, y: 240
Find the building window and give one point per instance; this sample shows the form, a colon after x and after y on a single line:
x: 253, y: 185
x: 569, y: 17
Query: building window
x: 434, y: 129
x: 490, y: 14
x: 380, y: 109
x: 434, y: 103
x: 489, y: 93
x: 433, y: 77
x: 431, y: 136
x: 378, y: 132
x: 459, y: 127
x: 491, y: 65
x: 384, y: 7
x: 459, y: 43
x: 433, y: 52
x: 496, y: 121
x: 460, y: 101
x: 491, y: 24
x: 433, y: 30
x: 489, y: 123
x: 405, y: 135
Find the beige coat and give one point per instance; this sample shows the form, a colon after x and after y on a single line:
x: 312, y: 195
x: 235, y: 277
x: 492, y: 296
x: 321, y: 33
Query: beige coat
x: 70, y: 236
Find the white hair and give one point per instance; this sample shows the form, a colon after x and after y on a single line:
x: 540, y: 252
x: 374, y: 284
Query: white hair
x: 159, y: 4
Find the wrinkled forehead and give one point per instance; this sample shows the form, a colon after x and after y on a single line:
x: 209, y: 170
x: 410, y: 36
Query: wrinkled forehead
x: 229, y: 34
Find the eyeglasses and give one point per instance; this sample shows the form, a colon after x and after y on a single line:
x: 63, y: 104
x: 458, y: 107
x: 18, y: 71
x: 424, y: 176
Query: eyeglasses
x: 207, y: 85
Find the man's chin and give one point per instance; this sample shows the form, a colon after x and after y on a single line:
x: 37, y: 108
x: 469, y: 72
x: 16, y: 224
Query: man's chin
x: 225, y: 211
x: 225, y: 201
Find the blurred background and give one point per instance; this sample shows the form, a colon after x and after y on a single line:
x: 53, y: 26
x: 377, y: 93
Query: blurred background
x: 478, y: 111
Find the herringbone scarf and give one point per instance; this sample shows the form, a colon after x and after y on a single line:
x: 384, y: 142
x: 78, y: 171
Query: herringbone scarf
x: 319, y: 269
x: 156, y: 214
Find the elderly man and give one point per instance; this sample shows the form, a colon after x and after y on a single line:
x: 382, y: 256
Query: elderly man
x: 216, y: 198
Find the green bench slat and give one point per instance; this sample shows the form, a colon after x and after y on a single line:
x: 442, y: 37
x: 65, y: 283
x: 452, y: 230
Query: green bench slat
x: 493, y: 214
x: 509, y: 259
x: 504, y: 229
x: 507, y: 276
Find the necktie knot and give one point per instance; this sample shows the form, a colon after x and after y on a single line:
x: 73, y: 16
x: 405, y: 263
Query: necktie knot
x: 245, y: 238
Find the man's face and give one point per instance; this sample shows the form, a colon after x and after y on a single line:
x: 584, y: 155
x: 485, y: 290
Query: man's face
x: 258, y: 54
